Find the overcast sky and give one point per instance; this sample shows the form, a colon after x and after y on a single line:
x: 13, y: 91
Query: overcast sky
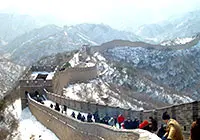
x: 116, y: 13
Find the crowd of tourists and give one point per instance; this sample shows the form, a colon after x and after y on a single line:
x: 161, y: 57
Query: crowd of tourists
x: 169, y: 130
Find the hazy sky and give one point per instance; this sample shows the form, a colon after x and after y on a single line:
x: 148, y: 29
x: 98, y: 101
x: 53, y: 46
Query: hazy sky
x: 116, y: 13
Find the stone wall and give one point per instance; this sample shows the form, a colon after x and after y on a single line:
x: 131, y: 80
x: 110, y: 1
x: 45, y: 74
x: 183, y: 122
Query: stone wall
x: 92, y: 107
x: 66, y: 127
x: 32, y: 86
x: 49, y: 68
x: 183, y: 113
x: 72, y: 75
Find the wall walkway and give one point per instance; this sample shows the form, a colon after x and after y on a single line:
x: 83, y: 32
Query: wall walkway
x: 68, y: 128
x: 183, y: 113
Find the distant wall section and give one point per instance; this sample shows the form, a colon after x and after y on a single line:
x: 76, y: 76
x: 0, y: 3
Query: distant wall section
x: 72, y: 75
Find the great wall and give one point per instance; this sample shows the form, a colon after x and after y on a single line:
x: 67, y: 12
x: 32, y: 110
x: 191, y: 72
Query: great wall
x: 66, y: 127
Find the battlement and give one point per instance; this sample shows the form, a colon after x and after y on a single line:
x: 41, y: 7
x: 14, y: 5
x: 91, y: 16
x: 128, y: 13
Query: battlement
x: 35, y: 83
x: 48, y: 68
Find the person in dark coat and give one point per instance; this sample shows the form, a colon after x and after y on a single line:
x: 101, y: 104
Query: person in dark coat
x: 161, y: 131
x: 96, y: 116
x: 128, y: 123
x: 83, y: 118
x: 65, y: 108
x: 57, y: 108
x: 115, y: 120
x: 79, y: 116
x: 51, y: 105
x: 73, y: 115
x: 89, y: 117
x: 153, y: 124
x: 106, y: 118
x: 135, y: 123
x: 195, y: 130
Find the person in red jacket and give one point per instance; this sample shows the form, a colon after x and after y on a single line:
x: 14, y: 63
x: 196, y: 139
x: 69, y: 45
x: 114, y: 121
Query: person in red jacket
x: 120, y: 120
x: 144, y: 125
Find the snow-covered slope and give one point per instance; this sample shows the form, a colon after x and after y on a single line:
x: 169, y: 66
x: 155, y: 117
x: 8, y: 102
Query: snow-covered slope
x: 170, y: 76
x: 177, y: 41
x: 9, y: 74
x: 99, y: 90
x: 28, y: 128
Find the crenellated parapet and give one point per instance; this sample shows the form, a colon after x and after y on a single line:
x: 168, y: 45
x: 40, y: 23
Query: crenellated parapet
x: 47, y: 68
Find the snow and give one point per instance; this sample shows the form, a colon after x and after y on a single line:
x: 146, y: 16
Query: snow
x: 146, y: 135
x: 74, y: 61
x: 30, y: 127
x: 183, y: 40
x: 89, y: 64
x: 177, y: 41
x: 69, y: 111
x: 84, y: 37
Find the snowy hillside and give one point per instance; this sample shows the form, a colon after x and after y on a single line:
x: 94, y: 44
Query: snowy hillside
x: 9, y: 74
x: 27, y: 127
x: 111, y: 88
x: 99, y: 90
x: 177, y: 41
x: 169, y: 76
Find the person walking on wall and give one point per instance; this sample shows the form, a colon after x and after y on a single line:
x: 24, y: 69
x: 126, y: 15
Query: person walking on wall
x: 89, y: 117
x: 153, y: 124
x: 73, y: 115
x: 83, y: 118
x: 195, y: 130
x: 79, y: 116
x: 173, y: 130
x: 120, y: 119
x: 96, y: 116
